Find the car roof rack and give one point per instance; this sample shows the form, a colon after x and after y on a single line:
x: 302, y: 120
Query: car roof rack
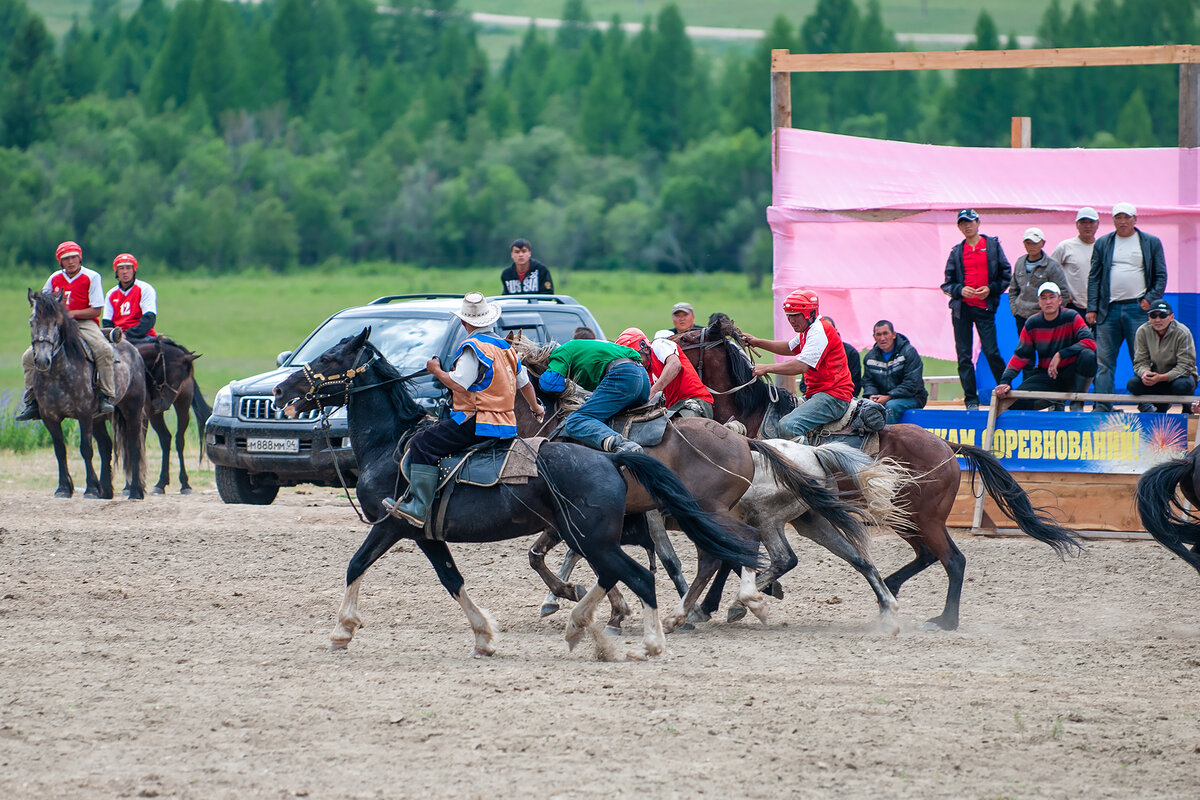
x: 530, y: 299
x: 379, y: 301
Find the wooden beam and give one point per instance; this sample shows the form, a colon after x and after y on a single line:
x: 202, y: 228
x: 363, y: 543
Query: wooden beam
x: 1189, y: 105
x: 783, y: 61
x: 781, y: 96
x: 1022, y: 132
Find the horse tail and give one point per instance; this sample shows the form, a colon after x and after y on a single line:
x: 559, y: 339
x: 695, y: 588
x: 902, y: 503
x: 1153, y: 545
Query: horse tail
x: 719, y: 535
x: 200, y: 408
x: 1014, y: 503
x: 879, y: 482
x: 1162, y: 512
x: 816, y: 495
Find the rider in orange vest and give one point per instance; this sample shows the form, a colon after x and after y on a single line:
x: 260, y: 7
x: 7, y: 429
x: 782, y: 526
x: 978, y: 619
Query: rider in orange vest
x: 671, y: 374
x: 819, y: 356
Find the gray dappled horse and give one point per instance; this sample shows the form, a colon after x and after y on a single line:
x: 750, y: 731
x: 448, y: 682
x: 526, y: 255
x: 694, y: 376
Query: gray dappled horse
x: 63, y: 387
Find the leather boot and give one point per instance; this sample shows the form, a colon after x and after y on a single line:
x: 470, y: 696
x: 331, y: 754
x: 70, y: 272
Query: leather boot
x: 619, y: 444
x: 414, y: 509
x: 105, y: 405
x: 30, y: 411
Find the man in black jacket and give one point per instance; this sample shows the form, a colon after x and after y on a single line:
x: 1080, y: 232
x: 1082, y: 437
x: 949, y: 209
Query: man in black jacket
x: 977, y: 273
x: 526, y: 275
x: 893, y: 374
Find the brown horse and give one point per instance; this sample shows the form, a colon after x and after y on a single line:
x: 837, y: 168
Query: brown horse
x: 171, y: 381
x: 928, y: 498
x: 1161, y: 510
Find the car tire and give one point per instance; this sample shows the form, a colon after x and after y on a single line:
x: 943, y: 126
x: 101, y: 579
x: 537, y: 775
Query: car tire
x: 238, y: 486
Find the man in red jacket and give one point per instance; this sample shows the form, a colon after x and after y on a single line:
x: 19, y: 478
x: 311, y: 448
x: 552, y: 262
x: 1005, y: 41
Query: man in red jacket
x: 671, y: 375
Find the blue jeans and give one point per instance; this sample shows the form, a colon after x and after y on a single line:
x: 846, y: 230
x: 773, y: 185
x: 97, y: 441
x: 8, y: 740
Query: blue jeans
x: 1119, y: 325
x: 625, y: 386
x: 897, y: 406
x: 813, y: 412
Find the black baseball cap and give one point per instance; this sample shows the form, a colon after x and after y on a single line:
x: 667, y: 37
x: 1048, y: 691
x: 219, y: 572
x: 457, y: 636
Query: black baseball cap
x: 969, y: 214
x: 1161, y: 305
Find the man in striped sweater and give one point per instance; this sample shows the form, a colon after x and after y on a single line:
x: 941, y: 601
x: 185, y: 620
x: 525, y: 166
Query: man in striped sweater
x: 1060, y: 343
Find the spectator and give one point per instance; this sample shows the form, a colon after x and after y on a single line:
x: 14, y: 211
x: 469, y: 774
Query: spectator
x: 853, y: 361
x: 1031, y: 271
x: 1075, y: 257
x: 977, y: 272
x: 1129, y: 272
x: 584, y: 332
x: 893, y: 373
x: 1061, y: 344
x: 526, y: 275
x: 683, y: 317
x: 1164, y: 359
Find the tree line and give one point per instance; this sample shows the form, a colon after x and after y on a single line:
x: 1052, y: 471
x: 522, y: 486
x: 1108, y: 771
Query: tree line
x: 222, y: 135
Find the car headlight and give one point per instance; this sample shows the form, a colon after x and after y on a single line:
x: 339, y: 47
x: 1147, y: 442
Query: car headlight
x: 338, y: 413
x: 223, y: 402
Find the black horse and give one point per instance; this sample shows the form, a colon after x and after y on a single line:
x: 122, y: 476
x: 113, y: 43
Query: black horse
x: 1161, y: 510
x: 63, y: 388
x: 171, y: 381
x: 579, y: 492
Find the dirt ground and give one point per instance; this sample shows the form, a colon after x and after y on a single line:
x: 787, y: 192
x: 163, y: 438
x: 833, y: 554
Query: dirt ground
x: 179, y: 647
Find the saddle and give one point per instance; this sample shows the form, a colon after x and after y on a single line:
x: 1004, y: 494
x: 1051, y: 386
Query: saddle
x: 858, y: 427
x: 645, y: 425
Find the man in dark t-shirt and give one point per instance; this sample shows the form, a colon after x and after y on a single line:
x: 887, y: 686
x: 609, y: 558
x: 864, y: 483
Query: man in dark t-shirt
x: 526, y: 275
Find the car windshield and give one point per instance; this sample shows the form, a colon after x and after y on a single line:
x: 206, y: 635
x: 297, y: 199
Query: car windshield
x: 407, y: 342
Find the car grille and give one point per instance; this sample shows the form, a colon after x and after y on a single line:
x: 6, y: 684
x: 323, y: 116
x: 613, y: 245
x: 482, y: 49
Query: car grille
x: 263, y: 409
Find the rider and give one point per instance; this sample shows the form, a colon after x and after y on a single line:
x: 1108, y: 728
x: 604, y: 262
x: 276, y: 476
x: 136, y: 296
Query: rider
x: 83, y: 296
x: 672, y: 375
x: 617, y: 380
x: 484, y: 381
x: 819, y: 357
x: 131, y: 305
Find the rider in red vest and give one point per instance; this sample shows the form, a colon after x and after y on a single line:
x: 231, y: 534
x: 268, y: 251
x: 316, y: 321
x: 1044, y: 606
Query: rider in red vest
x: 83, y: 296
x: 671, y: 375
x: 819, y: 356
x: 131, y: 305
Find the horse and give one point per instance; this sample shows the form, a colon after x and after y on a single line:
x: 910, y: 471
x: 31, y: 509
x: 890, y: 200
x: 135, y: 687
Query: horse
x: 170, y: 371
x: 927, y: 497
x: 62, y: 386
x: 1161, y: 510
x: 579, y: 492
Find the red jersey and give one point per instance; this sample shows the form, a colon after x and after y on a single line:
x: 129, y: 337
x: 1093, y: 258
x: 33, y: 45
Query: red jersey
x: 124, y: 309
x: 82, y: 291
x: 975, y: 271
x: 821, y: 349
x: 687, y: 383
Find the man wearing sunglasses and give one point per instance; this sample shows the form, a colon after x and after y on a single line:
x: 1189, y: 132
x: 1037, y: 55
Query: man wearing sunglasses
x: 1164, y: 360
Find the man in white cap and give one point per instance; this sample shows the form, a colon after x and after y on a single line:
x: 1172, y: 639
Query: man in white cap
x: 1165, y: 359
x: 683, y: 317
x: 484, y: 382
x: 1128, y: 275
x: 1031, y: 271
x: 1062, y: 346
x: 1075, y: 256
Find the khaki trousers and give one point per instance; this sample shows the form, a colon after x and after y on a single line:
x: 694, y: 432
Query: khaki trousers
x: 101, y: 351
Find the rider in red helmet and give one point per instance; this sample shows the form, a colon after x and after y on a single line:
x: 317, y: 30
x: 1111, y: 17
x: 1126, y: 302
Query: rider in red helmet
x: 131, y: 305
x: 671, y: 375
x: 819, y: 356
x: 83, y: 295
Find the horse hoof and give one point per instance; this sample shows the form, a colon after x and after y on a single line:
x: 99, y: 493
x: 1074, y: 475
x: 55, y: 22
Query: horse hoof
x: 931, y: 625
x: 479, y: 652
x: 186, y: 490
x: 548, y: 609
x: 92, y: 494
x: 735, y: 613
x: 697, y: 616
x: 631, y: 656
x: 125, y: 492
x: 687, y: 626
x: 775, y: 589
x: 137, y: 496
x: 64, y: 493
x: 338, y: 644
x: 157, y: 490
x: 612, y: 630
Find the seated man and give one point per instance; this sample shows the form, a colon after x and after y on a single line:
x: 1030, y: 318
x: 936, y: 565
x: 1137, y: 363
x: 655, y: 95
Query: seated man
x: 131, y: 305
x: 893, y: 372
x: 617, y: 380
x: 1063, y: 346
x: 484, y: 381
x: 1164, y: 360
x: 671, y: 374
x: 819, y: 357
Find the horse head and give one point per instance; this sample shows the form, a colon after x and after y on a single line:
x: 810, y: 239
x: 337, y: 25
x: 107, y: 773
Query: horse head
x: 325, y: 381
x: 51, y: 329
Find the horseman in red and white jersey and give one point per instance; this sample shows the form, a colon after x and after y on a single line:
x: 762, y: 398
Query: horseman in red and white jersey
x: 671, y: 375
x: 819, y: 356
x: 83, y: 296
x: 131, y: 305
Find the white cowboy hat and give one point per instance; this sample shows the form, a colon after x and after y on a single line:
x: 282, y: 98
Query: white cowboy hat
x: 477, y: 311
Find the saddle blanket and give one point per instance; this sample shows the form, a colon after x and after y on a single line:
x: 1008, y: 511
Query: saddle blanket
x: 512, y: 461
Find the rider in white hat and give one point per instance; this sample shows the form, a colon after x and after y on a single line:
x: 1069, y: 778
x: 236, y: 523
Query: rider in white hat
x: 484, y: 382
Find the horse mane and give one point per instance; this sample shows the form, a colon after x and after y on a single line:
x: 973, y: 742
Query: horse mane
x: 47, y: 305
x: 536, y: 357
x: 407, y: 410
x: 168, y: 341
x: 757, y: 395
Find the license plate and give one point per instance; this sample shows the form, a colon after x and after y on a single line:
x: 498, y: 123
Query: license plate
x: 264, y: 444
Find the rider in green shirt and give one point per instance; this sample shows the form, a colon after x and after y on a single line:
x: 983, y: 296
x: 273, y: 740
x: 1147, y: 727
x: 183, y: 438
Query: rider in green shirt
x: 615, y: 376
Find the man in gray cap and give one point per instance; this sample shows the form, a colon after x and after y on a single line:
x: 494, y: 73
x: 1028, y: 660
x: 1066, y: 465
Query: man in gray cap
x: 683, y: 317
x: 1164, y: 359
x: 1128, y: 275
x: 1075, y: 256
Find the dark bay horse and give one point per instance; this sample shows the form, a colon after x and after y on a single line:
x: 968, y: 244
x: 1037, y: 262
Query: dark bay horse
x: 63, y: 388
x: 1161, y: 510
x: 171, y: 381
x: 579, y: 492
x: 927, y: 498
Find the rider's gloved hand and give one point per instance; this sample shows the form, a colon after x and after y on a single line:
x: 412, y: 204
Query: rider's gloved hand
x: 655, y: 398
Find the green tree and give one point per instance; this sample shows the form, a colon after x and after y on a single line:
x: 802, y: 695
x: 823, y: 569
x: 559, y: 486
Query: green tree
x: 172, y: 67
x: 215, y: 74
x: 308, y: 36
x: 29, y: 84
x: 1134, y: 125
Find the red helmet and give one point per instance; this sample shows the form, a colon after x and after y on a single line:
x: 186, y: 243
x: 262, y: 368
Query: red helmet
x: 631, y: 338
x: 67, y: 249
x: 125, y: 259
x: 802, y: 301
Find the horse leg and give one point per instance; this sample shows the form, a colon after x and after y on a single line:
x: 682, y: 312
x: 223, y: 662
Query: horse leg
x: 481, y: 621
x: 86, y: 433
x: 66, y: 487
x: 824, y: 534
x: 712, y: 600
x: 378, y: 541
x: 941, y: 546
x: 556, y: 583
x: 164, y: 443
x: 348, y: 620
x: 183, y: 418
x: 666, y: 552
x: 613, y: 564
x: 750, y: 597
x: 706, y: 568
x: 783, y: 560
x: 582, y: 615
x: 104, y: 443
x: 922, y: 558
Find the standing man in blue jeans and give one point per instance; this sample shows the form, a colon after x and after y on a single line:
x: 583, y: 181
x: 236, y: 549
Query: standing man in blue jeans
x: 1128, y: 275
x: 615, y: 376
x: 977, y: 273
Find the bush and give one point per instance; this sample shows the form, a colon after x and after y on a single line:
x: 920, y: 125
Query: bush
x: 22, y: 437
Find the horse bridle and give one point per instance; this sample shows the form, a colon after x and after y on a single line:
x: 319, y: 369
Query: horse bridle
x: 735, y: 336
x: 43, y: 339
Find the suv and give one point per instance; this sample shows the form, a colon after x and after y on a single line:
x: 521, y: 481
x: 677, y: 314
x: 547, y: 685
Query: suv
x: 255, y: 449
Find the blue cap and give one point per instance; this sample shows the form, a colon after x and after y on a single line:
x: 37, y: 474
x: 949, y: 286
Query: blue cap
x: 967, y: 213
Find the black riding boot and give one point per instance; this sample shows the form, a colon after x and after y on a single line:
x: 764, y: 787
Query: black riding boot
x: 30, y: 411
x: 105, y: 405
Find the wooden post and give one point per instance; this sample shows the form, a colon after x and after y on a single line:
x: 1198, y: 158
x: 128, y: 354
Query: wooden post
x: 781, y: 106
x: 1022, y: 131
x: 1189, y: 105
x: 988, y: 433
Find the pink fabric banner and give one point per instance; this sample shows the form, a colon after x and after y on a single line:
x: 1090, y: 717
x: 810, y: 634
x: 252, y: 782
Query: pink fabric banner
x: 869, y: 223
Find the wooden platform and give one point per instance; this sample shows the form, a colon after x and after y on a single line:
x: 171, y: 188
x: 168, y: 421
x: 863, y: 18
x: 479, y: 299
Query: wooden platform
x: 1080, y: 501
